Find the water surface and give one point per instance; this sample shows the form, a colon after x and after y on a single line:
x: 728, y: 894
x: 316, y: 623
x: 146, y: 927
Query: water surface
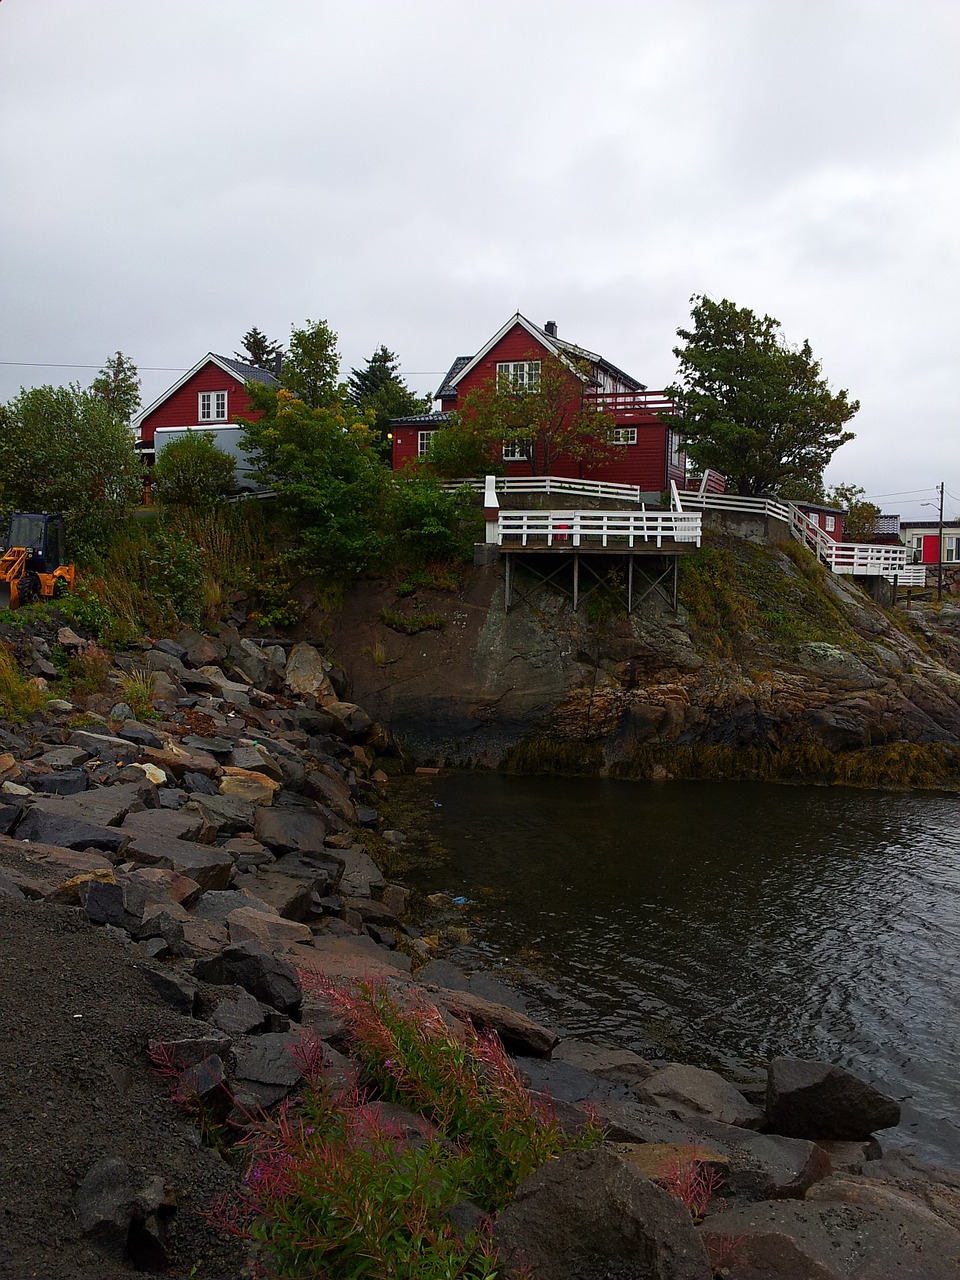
x: 723, y: 923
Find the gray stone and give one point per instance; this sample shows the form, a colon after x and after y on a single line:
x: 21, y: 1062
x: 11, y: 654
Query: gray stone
x: 210, y: 867
x: 519, y: 1033
x: 306, y: 672
x: 257, y: 759
x: 133, y: 731
x: 42, y: 824
x: 105, y: 1203
x: 590, y: 1215
x: 67, y: 782
x: 102, y: 745
x: 230, y: 814
x: 64, y: 757
x: 174, y: 989
x: 352, y: 721
x: 620, y: 1065
x: 122, y: 711
x: 170, y: 646
x: 705, y: 1093
x: 819, y: 1100
x: 290, y: 830
x: 248, y: 965
x: 218, y: 904
x: 198, y: 650
x: 361, y: 878
x: 171, y: 824
x: 238, y: 1014
x: 102, y: 903
x: 268, y: 1059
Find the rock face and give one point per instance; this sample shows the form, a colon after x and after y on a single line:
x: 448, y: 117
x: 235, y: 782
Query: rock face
x: 542, y: 679
x: 591, y: 1215
x: 817, y: 1100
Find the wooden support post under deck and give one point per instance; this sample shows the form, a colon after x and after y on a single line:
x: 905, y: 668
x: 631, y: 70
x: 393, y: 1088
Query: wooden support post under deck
x: 508, y: 559
x: 676, y: 565
x: 576, y: 579
x: 629, y: 584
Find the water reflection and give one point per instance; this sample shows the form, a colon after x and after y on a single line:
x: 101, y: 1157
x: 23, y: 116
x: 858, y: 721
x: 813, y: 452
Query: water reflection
x: 724, y: 923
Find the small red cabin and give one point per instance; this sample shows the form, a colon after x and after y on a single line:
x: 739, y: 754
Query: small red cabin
x: 210, y: 395
x: 644, y: 450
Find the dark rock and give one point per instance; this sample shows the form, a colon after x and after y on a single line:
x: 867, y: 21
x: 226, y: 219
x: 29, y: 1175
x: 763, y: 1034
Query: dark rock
x: 42, y: 824
x: 102, y: 903
x: 175, y: 990
x: 366, y: 816
x: 220, y: 748
x: 238, y: 1014
x: 819, y: 1100
x: 230, y: 814
x: 519, y: 1033
x: 290, y: 830
x: 170, y: 646
x: 133, y: 731
x: 267, y: 1064
x: 590, y: 1215
x: 787, y: 1167
x: 105, y: 1203
x: 567, y: 1083
x: 68, y: 782
x: 198, y: 650
x: 170, y: 824
x: 206, y: 1079
x: 248, y: 965
x: 693, y: 1089
x: 199, y: 784
x: 609, y: 1063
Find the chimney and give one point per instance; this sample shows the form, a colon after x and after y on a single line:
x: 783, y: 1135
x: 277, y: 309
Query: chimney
x: 277, y: 364
x: 551, y: 328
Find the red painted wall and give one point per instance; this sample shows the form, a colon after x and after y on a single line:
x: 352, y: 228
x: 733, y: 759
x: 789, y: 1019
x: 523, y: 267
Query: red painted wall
x: 182, y: 409
x: 643, y: 464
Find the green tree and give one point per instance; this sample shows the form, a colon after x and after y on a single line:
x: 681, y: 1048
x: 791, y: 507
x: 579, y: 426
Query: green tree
x: 65, y: 449
x: 378, y: 386
x: 751, y: 406
x: 258, y: 350
x: 859, y: 516
x: 321, y: 462
x: 543, y: 420
x: 118, y: 383
x: 193, y: 472
x: 458, y: 450
x: 311, y: 369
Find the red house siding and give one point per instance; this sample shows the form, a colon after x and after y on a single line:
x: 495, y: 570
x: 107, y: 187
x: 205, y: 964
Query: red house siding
x: 182, y: 409
x: 644, y: 464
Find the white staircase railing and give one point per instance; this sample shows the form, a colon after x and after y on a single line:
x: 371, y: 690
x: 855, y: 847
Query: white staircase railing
x: 571, y: 530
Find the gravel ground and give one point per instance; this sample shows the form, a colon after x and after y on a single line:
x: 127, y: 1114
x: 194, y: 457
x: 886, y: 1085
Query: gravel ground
x: 75, y: 1085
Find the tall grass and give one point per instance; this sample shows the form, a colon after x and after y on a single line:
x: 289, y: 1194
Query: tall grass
x: 18, y: 697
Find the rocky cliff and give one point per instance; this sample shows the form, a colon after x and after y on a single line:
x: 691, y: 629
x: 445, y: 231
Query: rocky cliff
x: 771, y: 667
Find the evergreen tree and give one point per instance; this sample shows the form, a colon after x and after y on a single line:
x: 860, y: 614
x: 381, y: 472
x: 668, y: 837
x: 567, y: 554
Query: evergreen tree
x: 379, y: 386
x: 259, y: 351
x: 118, y: 383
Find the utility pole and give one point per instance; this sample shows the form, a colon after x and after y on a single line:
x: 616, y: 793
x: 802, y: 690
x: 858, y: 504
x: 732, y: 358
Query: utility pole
x: 940, y: 547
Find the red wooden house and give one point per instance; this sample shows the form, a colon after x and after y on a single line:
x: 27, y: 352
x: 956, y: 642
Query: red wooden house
x: 643, y: 450
x: 208, y: 397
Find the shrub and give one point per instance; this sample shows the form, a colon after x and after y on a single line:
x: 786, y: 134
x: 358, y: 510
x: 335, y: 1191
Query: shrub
x: 174, y: 572
x: 411, y: 624
x: 18, y: 697
x: 193, y: 472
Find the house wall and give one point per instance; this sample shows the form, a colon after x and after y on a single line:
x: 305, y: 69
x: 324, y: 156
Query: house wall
x: 643, y: 464
x: 182, y: 409
x: 821, y: 518
x: 226, y: 438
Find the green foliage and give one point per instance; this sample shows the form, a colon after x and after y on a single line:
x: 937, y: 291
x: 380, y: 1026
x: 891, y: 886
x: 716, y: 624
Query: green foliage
x: 138, y: 689
x: 411, y: 624
x: 859, y: 516
x: 546, y: 421
x: 312, y: 366
x: 258, y: 350
x: 173, y: 567
x: 18, y: 697
x: 193, y: 472
x: 64, y: 449
x: 428, y: 522
x: 553, y: 755
x: 118, y: 385
x: 753, y: 407
x: 464, y: 1084
x: 461, y: 449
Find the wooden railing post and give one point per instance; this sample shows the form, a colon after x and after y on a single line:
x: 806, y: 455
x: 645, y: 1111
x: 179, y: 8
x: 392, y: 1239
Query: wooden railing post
x: 491, y: 508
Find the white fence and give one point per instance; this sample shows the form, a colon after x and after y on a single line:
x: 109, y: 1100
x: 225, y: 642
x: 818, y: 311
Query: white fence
x: 570, y: 530
x: 552, y: 484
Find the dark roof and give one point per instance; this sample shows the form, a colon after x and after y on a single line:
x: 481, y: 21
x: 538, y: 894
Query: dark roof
x: 581, y: 353
x: 249, y: 372
x: 421, y: 420
x: 445, y: 388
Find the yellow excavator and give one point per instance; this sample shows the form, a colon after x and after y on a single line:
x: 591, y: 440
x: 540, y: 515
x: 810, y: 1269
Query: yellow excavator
x: 32, y: 566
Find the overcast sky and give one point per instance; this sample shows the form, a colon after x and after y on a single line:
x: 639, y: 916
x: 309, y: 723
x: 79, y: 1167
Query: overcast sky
x: 415, y: 171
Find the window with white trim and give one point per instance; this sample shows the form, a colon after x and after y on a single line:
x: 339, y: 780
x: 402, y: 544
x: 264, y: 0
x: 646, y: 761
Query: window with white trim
x: 213, y: 406
x: 676, y: 449
x: 830, y: 523
x: 424, y: 441
x: 951, y: 549
x: 514, y: 451
x: 518, y: 375
x: 623, y: 435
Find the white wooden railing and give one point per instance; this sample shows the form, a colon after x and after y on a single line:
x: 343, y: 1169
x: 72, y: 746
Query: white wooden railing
x: 570, y: 530
x: 552, y: 484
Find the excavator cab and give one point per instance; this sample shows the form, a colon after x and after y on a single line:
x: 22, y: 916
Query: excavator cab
x: 32, y: 566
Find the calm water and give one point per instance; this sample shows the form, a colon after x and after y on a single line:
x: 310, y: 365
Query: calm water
x: 723, y: 923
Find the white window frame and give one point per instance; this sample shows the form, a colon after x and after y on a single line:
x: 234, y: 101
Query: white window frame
x: 518, y: 375
x: 623, y: 435
x: 676, y: 449
x: 829, y: 524
x: 212, y: 406
x: 951, y: 548
x: 514, y: 451
x: 424, y: 442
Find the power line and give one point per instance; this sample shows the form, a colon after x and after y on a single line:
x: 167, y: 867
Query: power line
x: 36, y: 364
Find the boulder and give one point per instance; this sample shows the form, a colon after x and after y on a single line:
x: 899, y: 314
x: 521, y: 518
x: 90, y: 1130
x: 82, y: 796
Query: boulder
x: 42, y: 823
x: 591, y: 1215
x: 818, y: 1100
x: 306, y: 673
x: 229, y: 690
x: 244, y: 784
x: 248, y: 965
x: 361, y: 877
x: 211, y: 868
x: 246, y: 924
x: 333, y: 792
x: 256, y: 759
x: 267, y: 1065
x: 171, y: 824
x: 352, y: 722
x: 230, y: 814
x: 704, y: 1093
x: 519, y: 1033
x: 198, y: 650
x: 238, y: 1013
x: 620, y: 1065
x: 290, y: 830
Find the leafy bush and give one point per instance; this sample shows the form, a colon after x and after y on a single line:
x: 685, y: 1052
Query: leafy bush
x: 18, y: 697
x: 411, y: 624
x: 193, y: 472
x: 174, y: 570
x: 334, y: 1189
